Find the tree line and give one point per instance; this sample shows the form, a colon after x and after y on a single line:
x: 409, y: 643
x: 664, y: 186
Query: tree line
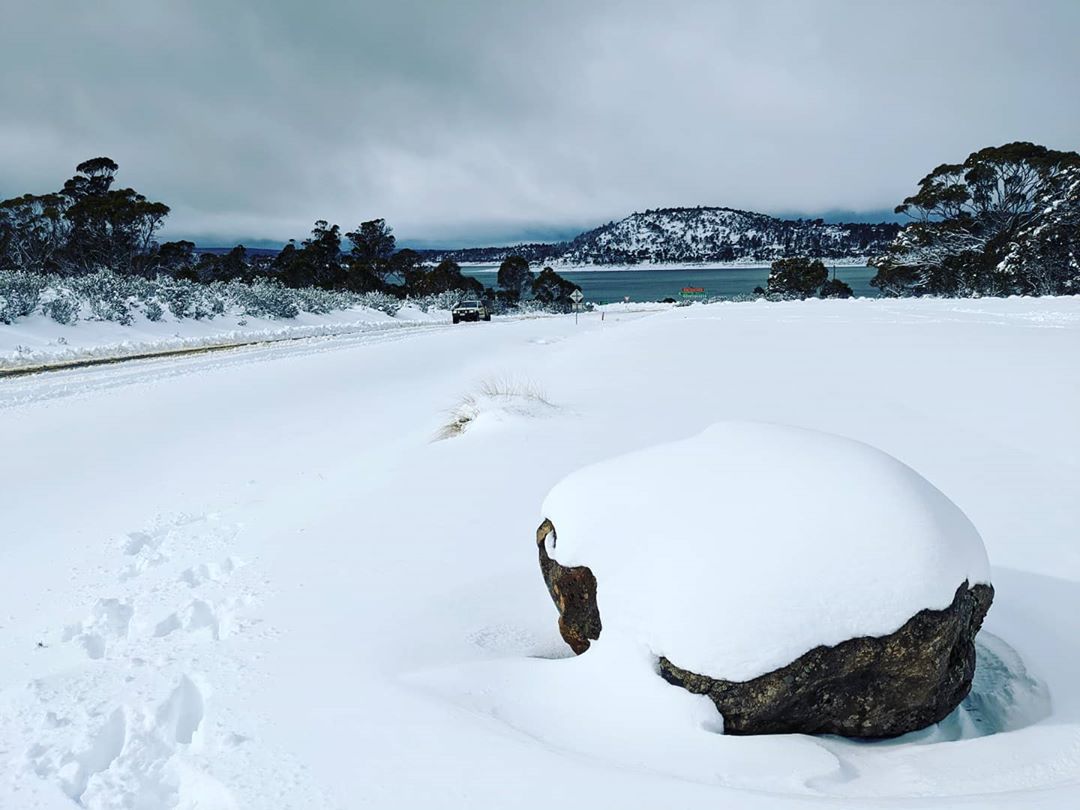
x: 1006, y: 221
x: 88, y: 226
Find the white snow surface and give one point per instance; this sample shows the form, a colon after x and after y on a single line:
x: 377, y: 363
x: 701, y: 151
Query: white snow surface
x: 254, y: 578
x: 734, y: 552
x: 38, y: 340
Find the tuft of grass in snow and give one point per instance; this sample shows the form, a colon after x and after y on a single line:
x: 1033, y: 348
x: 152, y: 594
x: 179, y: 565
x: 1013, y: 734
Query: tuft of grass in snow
x: 513, y: 388
x: 502, y: 395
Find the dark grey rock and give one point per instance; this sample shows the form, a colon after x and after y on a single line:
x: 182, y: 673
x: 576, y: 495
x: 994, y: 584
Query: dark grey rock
x: 864, y: 687
x: 573, y: 590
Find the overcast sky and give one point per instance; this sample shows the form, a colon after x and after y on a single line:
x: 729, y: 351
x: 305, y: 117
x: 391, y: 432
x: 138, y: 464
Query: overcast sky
x: 488, y: 121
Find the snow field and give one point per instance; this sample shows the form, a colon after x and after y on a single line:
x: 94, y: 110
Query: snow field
x: 132, y: 704
x: 259, y: 581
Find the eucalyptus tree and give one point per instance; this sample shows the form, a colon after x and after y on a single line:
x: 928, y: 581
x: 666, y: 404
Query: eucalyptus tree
x: 968, y: 218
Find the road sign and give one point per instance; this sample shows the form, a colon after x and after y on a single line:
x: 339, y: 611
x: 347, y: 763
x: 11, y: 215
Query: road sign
x: 692, y: 292
x: 577, y: 298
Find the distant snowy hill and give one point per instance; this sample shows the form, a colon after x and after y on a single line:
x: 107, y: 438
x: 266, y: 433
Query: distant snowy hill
x: 693, y: 235
x: 722, y: 235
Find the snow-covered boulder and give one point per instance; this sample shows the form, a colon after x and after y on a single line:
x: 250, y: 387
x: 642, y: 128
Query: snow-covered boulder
x: 803, y: 581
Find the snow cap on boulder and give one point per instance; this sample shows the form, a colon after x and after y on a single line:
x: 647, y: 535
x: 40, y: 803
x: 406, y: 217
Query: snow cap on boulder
x: 738, y: 550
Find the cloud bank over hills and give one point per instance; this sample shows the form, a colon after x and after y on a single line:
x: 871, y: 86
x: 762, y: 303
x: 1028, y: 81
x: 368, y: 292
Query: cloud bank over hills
x: 482, y: 121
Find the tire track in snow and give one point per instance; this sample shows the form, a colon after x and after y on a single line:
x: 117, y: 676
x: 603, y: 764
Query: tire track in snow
x: 61, y: 383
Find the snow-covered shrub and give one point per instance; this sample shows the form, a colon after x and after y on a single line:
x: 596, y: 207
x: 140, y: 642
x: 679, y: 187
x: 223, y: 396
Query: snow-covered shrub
x: 115, y: 297
x: 532, y: 306
x: 20, y: 293
x: 189, y: 299
x: 63, y: 309
x: 266, y: 299
x: 443, y: 300
x: 143, y: 289
x: 312, y: 299
x: 108, y: 294
x: 180, y: 296
x: 498, y: 306
x: 382, y: 302
x: 319, y: 301
x: 112, y: 309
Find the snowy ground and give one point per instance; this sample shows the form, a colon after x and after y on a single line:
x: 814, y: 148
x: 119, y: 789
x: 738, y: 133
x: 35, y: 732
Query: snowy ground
x: 38, y: 340
x: 252, y: 579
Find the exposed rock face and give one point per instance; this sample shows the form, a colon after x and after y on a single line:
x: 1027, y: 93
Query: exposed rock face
x: 863, y: 687
x: 574, y: 592
x: 880, y: 686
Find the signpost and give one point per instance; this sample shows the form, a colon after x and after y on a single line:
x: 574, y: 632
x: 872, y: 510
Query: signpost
x: 694, y: 293
x: 577, y: 298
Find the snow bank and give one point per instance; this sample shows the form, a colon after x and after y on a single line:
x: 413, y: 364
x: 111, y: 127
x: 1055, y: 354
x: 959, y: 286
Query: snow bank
x: 411, y: 312
x: 734, y: 552
x: 633, y: 306
x: 39, y: 340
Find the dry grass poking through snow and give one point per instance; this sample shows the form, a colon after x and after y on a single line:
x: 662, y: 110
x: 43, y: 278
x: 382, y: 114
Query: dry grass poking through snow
x: 499, y: 398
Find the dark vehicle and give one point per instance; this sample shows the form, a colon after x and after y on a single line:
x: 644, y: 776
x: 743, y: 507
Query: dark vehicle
x: 471, y: 310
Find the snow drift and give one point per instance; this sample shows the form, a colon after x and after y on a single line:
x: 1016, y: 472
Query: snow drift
x: 738, y: 550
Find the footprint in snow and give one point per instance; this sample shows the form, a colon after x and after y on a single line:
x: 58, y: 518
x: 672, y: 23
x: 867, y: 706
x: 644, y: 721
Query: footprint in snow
x: 109, y: 620
x: 156, y: 545
x: 209, y: 572
x: 197, y: 616
x: 128, y: 753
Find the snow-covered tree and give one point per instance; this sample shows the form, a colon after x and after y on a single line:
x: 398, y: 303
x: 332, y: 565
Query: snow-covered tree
x: 835, y: 288
x: 514, y: 277
x: 797, y: 277
x: 968, y: 217
x: 1044, y: 259
x: 553, y: 291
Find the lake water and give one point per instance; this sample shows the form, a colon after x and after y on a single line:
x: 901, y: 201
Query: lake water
x: 606, y: 286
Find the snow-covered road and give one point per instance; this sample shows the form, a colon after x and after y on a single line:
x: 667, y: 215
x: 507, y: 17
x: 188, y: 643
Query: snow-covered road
x: 252, y: 579
x: 57, y: 381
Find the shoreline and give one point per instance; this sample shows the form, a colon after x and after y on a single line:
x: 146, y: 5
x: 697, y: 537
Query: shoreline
x: 672, y: 266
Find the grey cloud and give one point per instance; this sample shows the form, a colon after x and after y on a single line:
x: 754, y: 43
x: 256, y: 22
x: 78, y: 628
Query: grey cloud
x: 478, y: 119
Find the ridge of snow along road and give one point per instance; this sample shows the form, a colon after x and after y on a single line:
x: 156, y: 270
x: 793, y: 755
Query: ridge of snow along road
x: 38, y: 343
x: 42, y: 343
x: 109, y: 354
